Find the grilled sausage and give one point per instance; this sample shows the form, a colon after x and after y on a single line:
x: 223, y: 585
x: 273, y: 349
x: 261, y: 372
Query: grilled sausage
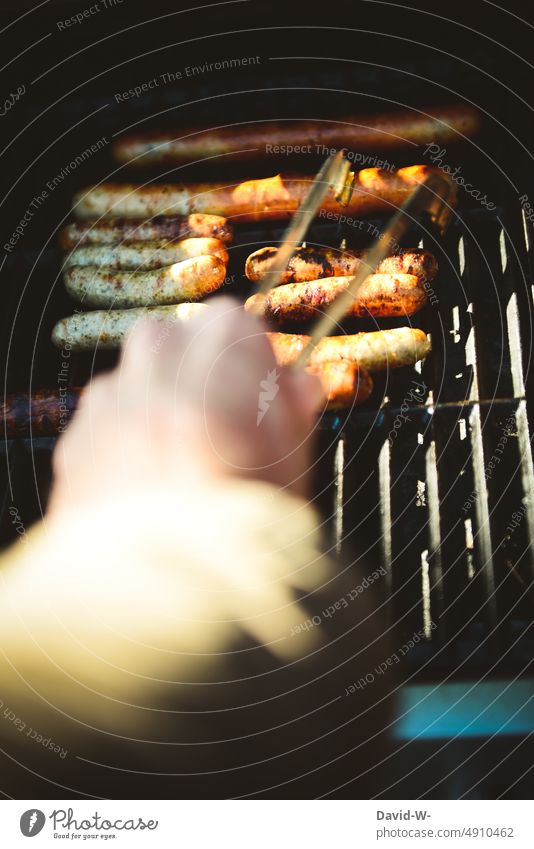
x: 143, y: 256
x: 48, y: 411
x: 252, y: 200
x: 188, y: 280
x: 380, y: 295
x: 343, y: 382
x: 313, y: 263
x: 388, y: 131
x: 161, y: 228
x: 42, y: 413
x: 377, y: 351
x: 108, y: 329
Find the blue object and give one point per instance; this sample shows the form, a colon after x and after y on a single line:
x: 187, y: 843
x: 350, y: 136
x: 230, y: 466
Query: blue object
x: 465, y: 709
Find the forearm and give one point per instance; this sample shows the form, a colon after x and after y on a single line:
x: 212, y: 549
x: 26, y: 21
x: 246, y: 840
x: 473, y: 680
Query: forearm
x: 131, y: 639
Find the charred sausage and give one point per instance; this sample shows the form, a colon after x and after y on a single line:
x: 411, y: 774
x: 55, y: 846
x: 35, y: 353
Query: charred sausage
x: 48, y: 411
x: 42, y: 413
x: 381, y: 295
x: 275, y: 197
x: 160, y: 228
x: 388, y: 131
x: 313, y: 263
x: 343, y: 382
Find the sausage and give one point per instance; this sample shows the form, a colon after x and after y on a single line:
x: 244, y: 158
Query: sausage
x: 47, y: 412
x: 380, y: 295
x: 380, y: 350
x: 108, y: 329
x: 388, y: 131
x: 137, y: 256
x: 188, y: 280
x: 275, y: 197
x: 343, y: 382
x: 159, y: 228
x: 313, y: 263
x: 43, y: 413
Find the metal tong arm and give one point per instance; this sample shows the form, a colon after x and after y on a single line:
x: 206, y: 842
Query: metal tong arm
x: 433, y: 195
x: 334, y: 173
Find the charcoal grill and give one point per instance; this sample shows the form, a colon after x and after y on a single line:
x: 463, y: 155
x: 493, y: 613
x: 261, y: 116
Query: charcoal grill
x: 444, y: 502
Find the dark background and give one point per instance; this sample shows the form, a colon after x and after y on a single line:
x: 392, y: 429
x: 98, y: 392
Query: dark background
x: 315, y: 61
x: 363, y: 56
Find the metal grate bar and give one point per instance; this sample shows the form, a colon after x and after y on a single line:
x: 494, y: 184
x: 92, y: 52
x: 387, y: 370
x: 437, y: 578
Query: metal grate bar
x: 450, y: 320
x: 409, y: 525
x: 485, y: 287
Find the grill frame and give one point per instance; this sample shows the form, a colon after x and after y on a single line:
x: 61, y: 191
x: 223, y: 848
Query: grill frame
x: 429, y: 519
x: 388, y: 56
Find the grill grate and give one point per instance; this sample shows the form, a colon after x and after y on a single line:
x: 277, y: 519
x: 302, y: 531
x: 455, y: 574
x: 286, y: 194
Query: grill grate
x: 446, y: 500
x: 443, y: 501
x: 401, y: 498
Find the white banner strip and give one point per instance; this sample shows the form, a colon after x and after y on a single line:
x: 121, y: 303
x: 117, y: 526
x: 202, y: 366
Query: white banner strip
x: 267, y: 824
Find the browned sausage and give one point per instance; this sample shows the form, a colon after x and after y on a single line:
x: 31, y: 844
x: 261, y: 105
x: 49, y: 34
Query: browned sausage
x: 344, y: 383
x: 380, y: 295
x: 42, y: 413
x: 48, y: 411
x: 160, y: 228
x: 375, y: 190
x: 313, y: 263
x: 145, y: 256
x: 188, y: 280
x: 377, y: 351
x: 387, y: 131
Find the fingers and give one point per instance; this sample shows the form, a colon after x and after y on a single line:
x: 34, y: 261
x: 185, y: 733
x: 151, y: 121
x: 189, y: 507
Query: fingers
x: 219, y: 376
x: 202, y: 397
x: 307, y: 394
x: 213, y: 360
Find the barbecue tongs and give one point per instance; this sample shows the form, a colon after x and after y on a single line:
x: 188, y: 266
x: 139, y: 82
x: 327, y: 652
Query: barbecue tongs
x: 434, y: 196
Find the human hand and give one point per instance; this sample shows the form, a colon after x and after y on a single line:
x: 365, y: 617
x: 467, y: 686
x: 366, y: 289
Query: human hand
x: 189, y: 402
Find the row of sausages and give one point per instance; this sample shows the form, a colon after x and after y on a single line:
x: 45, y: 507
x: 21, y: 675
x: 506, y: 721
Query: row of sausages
x: 343, y: 363
x: 374, y: 191
x: 397, y: 287
x: 156, y: 250
x: 183, y: 258
x: 359, y: 133
x: 187, y: 270
x: 132, y: 245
